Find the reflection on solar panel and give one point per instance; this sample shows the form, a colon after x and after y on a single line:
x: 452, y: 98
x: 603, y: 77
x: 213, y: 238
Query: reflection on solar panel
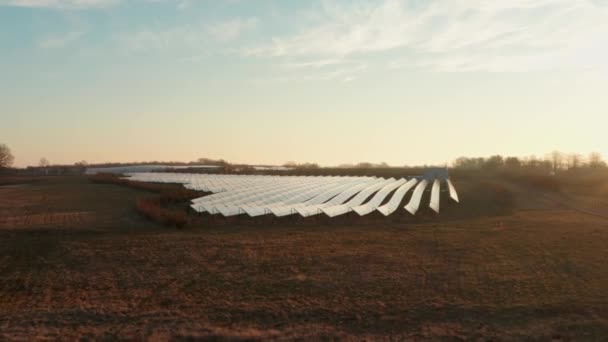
x: 393, y: 204
x: 435, y: 196
x: 414, y: 202
x: 256, y: 195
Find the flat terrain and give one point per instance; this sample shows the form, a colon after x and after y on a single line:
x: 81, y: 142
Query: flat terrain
x: 77, y: 261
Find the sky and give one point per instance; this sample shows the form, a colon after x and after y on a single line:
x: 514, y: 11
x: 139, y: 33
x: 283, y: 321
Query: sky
x: 267, y: 81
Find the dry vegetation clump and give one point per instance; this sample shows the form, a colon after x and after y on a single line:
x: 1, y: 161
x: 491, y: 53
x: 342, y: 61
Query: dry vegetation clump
x: 178, y: 195
x: 105, y: 178
x: 109, y: 178
x: 168, y: 193
x: 153, y: 209
x: 161, y: 208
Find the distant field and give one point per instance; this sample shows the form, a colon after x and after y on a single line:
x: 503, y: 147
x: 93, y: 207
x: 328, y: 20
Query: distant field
x: 510, y: 262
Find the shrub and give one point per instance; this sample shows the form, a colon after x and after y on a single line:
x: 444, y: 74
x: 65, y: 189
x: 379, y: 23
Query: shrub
x: 172, y: 196
x: 152, y: 209
x: 168, y: 191
x: 106, y: 178
x: 155, y: 208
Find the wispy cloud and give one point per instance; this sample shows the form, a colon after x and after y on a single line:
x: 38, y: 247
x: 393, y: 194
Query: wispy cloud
x: 345, y: 72
x: 59, y: 40
x: 179, y: 4
x: 453, y: 35
x: 231, y: 29
x: 60, y: 4
x: 189, y: 37
x: 315, y: 64
x: 84, y: 4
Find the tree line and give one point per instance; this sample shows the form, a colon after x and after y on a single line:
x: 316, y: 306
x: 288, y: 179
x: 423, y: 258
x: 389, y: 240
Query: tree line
x: 554, y: 162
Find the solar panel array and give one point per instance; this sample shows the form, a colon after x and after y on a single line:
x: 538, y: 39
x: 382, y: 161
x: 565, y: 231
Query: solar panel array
x: 257, y: 195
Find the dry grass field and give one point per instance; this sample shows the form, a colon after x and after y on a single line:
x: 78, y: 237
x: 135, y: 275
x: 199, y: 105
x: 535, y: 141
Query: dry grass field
x: 509, y: 263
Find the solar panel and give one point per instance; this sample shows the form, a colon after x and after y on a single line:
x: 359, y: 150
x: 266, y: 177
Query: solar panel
x: 375, y: 202
x: 257, y: 195
x: 434, y: 204
x: 339, y: 199
x: 357, y: 200
x: 414, y: 203
x: 394, y: 202
x: 452, y: 191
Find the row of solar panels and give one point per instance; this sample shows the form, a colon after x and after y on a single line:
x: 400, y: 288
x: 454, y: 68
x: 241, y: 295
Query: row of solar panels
x: 258, y: 195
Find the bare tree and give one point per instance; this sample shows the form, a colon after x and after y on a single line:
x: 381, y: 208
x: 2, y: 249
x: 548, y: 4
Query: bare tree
x: 574, y: 161
x: 365, y: 165
x: 595, y: 160
x: 309, y: 166
x: 512, y: 162
x: 494, y: 162
x: 468, y: 163
x: 44, y: 162
x: 557, y: 160
x: 6, y: 157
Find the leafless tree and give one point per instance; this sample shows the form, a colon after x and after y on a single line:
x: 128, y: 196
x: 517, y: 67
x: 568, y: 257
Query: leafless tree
x: 468, y: 163
x: 512, y: 162
x: 574, y: 161
x: 595, y: 160
x: 365, y: 165
x: 6, y: 157
x: 44, y: 162
x: 557, y: 160
x: 494, y: 162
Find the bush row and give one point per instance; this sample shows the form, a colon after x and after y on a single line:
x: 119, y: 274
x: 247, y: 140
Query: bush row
x: 153, y: 209
x: 169, y: 193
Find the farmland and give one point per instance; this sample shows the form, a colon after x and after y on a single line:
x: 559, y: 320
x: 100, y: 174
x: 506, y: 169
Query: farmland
x: 510, y: 262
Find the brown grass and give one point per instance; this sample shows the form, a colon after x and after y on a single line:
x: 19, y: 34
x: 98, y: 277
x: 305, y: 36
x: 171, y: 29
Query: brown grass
x: 537, y: 181
x: 108, y: 178
x: 153, y: 209
x: 532, y: 275
x: 16, y: 180
x: 498, y: 193
x: 162, y: 208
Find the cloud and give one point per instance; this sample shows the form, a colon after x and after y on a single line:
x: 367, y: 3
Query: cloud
x: 158, y: 39
x: 184, y: 4
x: 84, y: 4
x: 179, y: 4
x: 345, y: 72
x: 453, y: 35
x: 59, y: 41
x: 316, y: 64
x: 231, y: 29
x: 189, y: 37
x: 61, y: 4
